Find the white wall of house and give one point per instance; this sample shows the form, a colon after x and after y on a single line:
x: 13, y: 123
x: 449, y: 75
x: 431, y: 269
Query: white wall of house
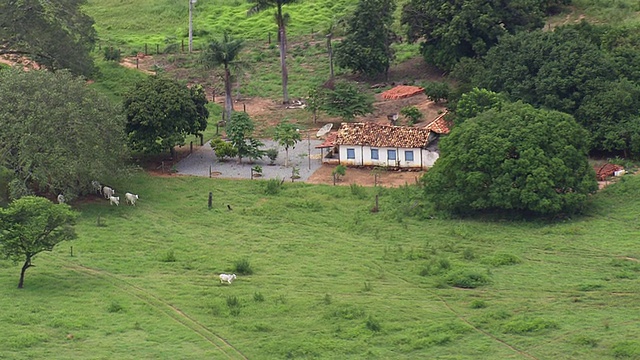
x: 357, y: 155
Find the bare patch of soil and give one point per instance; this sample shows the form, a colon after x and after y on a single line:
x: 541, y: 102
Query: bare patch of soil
x: 365, y: 177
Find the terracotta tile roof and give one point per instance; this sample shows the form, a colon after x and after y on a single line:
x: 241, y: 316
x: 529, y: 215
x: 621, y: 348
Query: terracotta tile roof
x: 328, y: 141
x: 606, y: 170
x: 377, y: 135
x: 439, y: 125
x: 402, y: 91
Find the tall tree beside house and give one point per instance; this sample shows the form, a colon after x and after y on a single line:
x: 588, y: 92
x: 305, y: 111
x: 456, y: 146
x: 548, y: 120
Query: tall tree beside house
x: 346, y: 100
x: 223, y: 52
x: 287, y: 135
x: 31, y: 225
x: 282, y: 19
x: 55, y: 34
x: 515, y: 159
x: 161, y: 112
x: 57, y: 133
x: 366, y: 49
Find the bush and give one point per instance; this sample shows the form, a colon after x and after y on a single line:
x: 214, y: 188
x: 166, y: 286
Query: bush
x: 111, y: 54
x: 503, y: 259
x: 243, y: 267
x: 358, y: 191
x: 412, y: 114
x: 339, y: 171
x: 373, y: 324
x: 437, y: 91
x: 467, y: 279
x: 224, y: 149
x: 169, y: 256
x: 258, y: 297
x: 272, y: 154
x: 478, y: 304
x: 273, y: 186
x: 115, y: 307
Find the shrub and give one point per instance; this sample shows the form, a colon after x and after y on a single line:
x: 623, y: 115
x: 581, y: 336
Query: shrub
x: 522, y: 326
x: 272, y: 154
x: 257, y: 170
x: 373, y: 324
x: 468, y: 254
x: 272, y: 186
x: 243, y: 267
x: 169, y: 256
x: 258, y: 297
x: 626, y: 349
x: 111, y: 54
x: 436, y: 267
x: 478, y: 304
x: 224, y: 149
x: 467, y: 279
x: 233, y: 301
x: 503, y: 259
x: 358, y: 191
x: 339, y: 171
x: 115, y: 307
x: 437, y: 91
x: 412, y: 114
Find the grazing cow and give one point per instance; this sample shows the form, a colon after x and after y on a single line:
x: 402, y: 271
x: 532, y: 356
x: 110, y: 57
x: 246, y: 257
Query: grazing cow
x: 131, y: 198
x: 61, y: 199
x: 114, y: 200
x: 97, y: 187
x: 108, y: 192
x: 227, y: 277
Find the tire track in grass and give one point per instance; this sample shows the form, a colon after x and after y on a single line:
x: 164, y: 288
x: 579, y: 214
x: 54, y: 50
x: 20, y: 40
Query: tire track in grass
x: 164, y: 307
x: 462, y: 318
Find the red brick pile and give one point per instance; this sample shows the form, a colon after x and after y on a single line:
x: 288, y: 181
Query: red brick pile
x: 606, y: 170
x: 402, y: 91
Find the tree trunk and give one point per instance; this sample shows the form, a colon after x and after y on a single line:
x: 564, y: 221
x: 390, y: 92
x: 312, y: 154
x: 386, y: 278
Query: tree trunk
x: 330, y: 56
x: 27, y: 264
x: 228, y: 103
x: 283, y: 55
x: 286, y: 159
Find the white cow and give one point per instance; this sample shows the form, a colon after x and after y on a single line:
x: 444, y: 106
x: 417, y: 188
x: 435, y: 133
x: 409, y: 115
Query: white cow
x: 97, y: 187
x: 131, y: 198
x: 61, y: 199
x: 114, y: 200
x: 108, y: 192
x: 227, y: 277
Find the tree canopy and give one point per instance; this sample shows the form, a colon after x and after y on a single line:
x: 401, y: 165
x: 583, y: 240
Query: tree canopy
x: 577, y: 69
x: 239, y: 131
x: 366, y: 47
x: 161, y: 112
x: 31, y: 225
x: 57, y: 133
x: 345, y: 100
x: 514, y: 158
x: 287, y: 135
x: 56, y: 34
x: 453, y: 29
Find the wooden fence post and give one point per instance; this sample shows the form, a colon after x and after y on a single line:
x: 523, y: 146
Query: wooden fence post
x: 191, y: 147
x: 137, y: 62
x: 145, y: 49
x: 157, y: 49
x: 209, y: 171
x: 210, y: 200
x: 182, y: 46
x: 269, y: 41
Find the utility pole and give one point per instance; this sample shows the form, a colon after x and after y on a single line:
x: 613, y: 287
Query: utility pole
x: 191, y: 2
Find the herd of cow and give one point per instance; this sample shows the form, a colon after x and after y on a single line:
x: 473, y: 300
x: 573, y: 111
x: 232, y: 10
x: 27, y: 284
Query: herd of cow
x: 110, y: 194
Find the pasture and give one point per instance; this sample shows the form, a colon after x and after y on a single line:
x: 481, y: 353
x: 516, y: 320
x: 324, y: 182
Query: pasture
x: 330, y: 279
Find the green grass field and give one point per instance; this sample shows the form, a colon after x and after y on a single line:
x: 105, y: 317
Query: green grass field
x: 330, y: 279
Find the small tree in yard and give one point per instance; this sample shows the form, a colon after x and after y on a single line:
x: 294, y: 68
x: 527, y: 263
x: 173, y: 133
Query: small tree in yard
x: 239, y: 130
x: 412, y: 113
x: 223, y: 149
x: 272, y: 154
x: 287, y: 135
x: 31, y: 225
x: 345, y: 100
x: 437, y: 91
x: 339, y: 171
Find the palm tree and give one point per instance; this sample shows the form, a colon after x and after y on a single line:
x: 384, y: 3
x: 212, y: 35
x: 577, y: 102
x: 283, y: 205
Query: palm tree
x: 223, y: 52
x: 281, y: 20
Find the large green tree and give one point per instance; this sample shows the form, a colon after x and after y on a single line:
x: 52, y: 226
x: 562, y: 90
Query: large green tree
x: 223, y: 52
x: 452, y: 29
x: 576, y: 69
x: 31, y: 225
x: 161, y: 112
x: 514, y: 158
x: 55, y: 34
x: 57, y: 134
x: 346, y: 100
x: 282, y: 19
x: 366, y: 47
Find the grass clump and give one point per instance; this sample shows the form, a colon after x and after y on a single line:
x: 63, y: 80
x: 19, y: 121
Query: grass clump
x: 272, y: 186
x: 373, y: 324
x: 168, y: 257
x: 243, y: 267
x: 358, y: 191
x: 436, y: 267
x: 503, y: 259
x: 258, y: 297
x: 478, y: 304
x: 115, y: 307
x: 524, y: 326
x: 467, y: 279
x: 626, y: 350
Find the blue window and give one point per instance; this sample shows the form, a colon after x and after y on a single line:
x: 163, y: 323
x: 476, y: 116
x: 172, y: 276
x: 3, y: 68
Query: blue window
x: 408, y: 155
x: 391, y: 155
x: 374, y: 154
x: 351, y: 153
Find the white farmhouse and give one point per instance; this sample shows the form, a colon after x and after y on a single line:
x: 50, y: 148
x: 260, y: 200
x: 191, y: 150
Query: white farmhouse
x: 373, y: 144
